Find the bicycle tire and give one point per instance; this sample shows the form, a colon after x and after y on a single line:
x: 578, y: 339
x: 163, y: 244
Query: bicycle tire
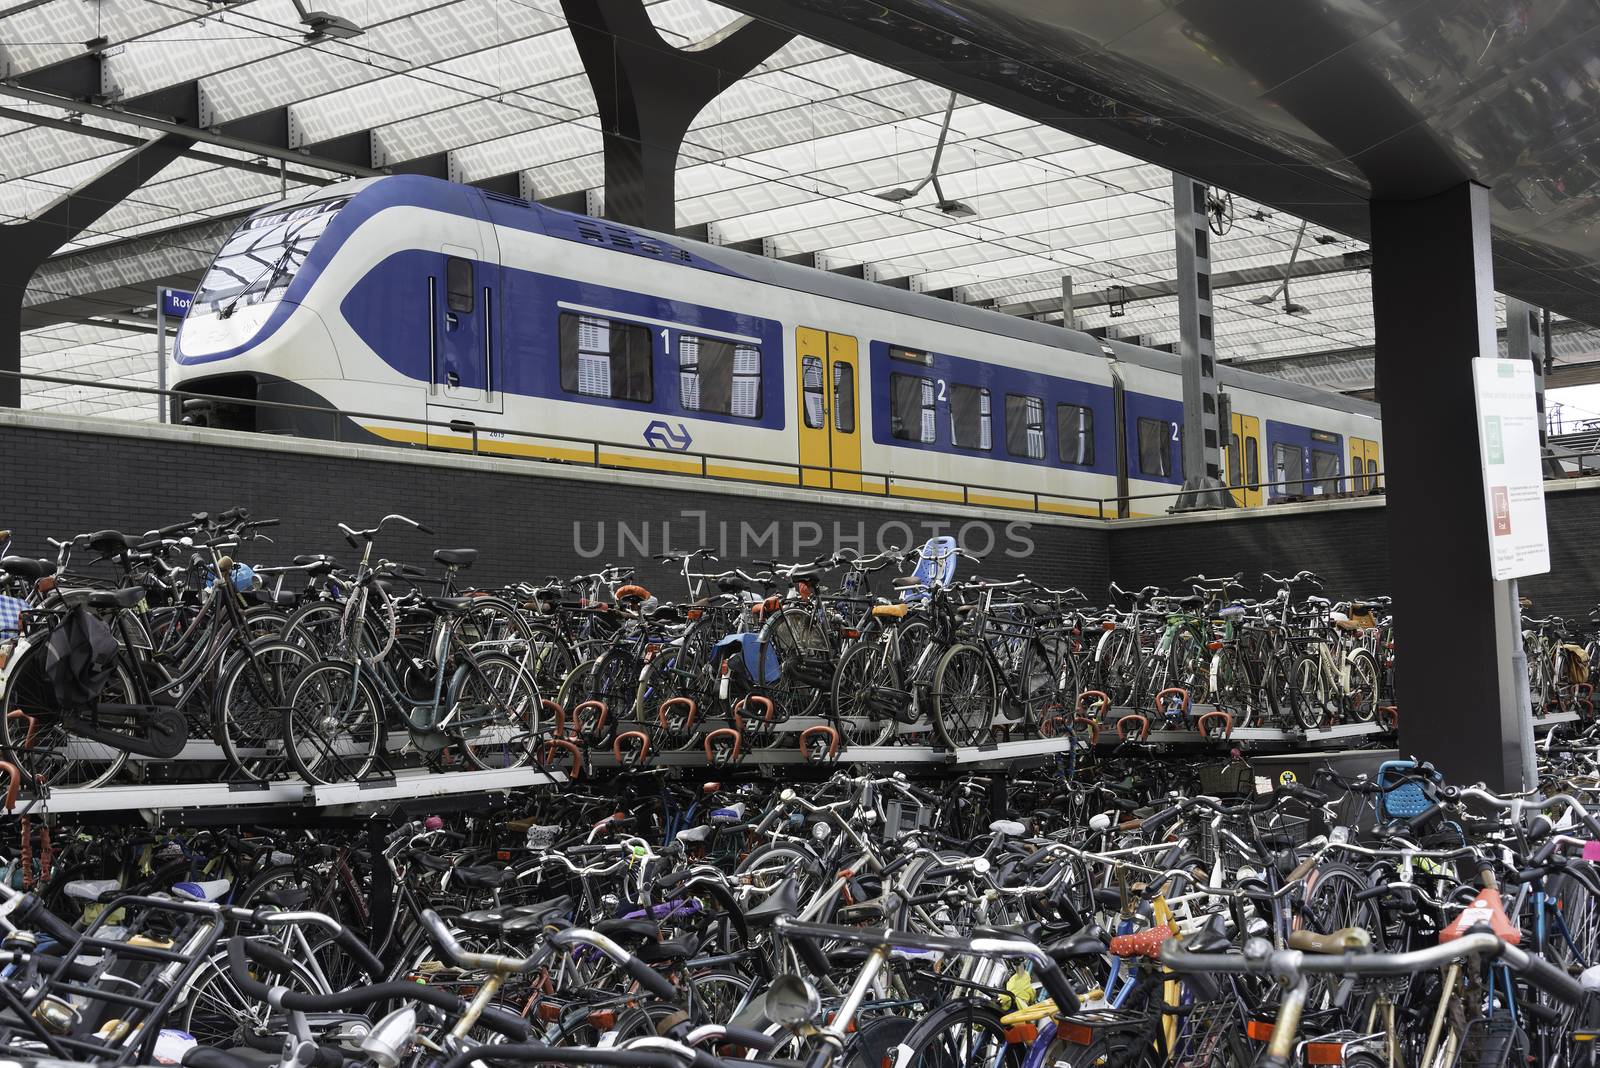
x: 965, y: 693
x: 315, y: 726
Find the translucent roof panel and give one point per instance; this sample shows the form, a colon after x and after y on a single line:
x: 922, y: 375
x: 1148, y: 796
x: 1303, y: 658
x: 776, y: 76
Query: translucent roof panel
x: 792, y: 160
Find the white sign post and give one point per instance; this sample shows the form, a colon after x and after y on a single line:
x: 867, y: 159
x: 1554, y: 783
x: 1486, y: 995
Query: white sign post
x: 1513, y: 476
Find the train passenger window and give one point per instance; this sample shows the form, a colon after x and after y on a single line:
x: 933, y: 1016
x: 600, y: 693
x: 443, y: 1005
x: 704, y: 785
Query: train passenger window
x: 911, y: 408
x: 1325, y: 468
x: 1075, y: 434
x: 1155, y: 448
x: 1025, y: 426
x: 1252, y: 462
x: 716, y: 375
x: 1233, y: 459
x: 844, y: 398
x: 970, y: 418
x: 1372, y: 474
x: 604, y: 358
x: 1288, y: 467
x: 811, y: 389
x: 458, y: 284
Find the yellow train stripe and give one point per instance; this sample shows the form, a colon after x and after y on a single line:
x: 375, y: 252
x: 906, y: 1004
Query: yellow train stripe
x: 815, y: 479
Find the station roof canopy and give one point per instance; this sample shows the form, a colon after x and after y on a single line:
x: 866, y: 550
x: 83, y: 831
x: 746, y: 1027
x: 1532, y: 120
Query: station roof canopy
x: 791, y: 160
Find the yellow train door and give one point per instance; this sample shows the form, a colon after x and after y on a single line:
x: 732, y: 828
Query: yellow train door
x: 1364, y: 464
x: 827, y: 373
x: 1244, y: 460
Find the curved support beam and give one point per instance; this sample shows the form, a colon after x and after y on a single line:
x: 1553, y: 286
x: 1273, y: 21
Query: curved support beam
x: 26, y: 245
x: 649, y: 92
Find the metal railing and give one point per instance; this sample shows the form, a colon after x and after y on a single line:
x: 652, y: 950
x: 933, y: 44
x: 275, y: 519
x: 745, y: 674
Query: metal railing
x: 702, y: 464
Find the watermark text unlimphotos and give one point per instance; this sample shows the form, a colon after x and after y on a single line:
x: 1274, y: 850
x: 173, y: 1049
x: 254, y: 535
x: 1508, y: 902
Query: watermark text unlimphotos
x: 744, y: 539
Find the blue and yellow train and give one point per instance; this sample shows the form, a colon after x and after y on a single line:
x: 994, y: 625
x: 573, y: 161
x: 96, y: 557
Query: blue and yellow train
x: 425, y: 300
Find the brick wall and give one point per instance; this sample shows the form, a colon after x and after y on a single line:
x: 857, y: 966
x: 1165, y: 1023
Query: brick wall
x: 64, y: 477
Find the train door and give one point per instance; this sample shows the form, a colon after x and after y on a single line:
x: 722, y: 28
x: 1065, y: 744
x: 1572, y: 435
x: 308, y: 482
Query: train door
x: 462, y: 346
x: 830, y: 425
x: 1363, y: 465
x: 1244, y: 460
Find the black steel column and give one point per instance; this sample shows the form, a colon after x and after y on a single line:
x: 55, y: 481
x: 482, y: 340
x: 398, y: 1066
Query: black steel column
x: 1433, y: 306
x: 648, y: 92
x: 25, y: 246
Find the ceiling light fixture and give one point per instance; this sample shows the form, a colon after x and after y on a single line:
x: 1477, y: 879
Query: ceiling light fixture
x: 323, y: 26
x: 900, y: 194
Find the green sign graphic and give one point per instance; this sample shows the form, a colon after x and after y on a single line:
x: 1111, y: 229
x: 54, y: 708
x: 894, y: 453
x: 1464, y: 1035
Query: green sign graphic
x: 1496, y: 445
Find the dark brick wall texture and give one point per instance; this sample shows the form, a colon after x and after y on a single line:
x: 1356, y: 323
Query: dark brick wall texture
x: 528, y: 526
x: 57, y: 483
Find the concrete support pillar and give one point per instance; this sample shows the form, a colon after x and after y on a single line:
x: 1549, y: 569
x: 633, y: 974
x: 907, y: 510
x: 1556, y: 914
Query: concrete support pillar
x: 26, y: 245
x: 1433, y: 306
x: 1202, y: 454
x: 649, y: 92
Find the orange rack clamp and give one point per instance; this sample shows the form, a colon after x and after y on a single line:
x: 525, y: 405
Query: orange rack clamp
x: 1226, y: 719
x: 687, y: 709
x: 1142, y: 722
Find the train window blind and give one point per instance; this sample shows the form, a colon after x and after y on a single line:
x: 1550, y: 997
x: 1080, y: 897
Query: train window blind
x: 1325, y: 469
x: 844, y: 398
x: 1155, y: 448
x: 911, y: 408
x: 1075, y: 434
x: 811, y: 389
x: 1252, y: 463
x: 605, y: 358
x: 1288, y: 466
x: 1233, y: 459
x: 971, y: 420
x: 715, y: 375
x: 1025, y: 426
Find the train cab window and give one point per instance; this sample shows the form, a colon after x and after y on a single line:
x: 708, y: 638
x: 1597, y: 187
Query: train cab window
x: 811, y: 389
x: 1233, y: 459
x: 1252, y: 463
x: 1155, y: 448
x: 458, y: 284
x: 721, y: 376
x: 605, y: 358
x: 1025, y: 426
x: 1075, y: 434
x: 844, y: 398
x: 1325, y: 470
x: 970, y: 418
x: 1288, y: 467
x: 911, y: 408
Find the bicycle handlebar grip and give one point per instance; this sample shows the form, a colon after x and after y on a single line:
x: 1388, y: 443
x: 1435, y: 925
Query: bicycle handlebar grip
x: 1549, y: 978
x: 239, y: 970
x: 362, y: 954
x: 750, y: 1039
x: 1304, y: 793
x: 31, y: 911
x: 1056, y: 985
x: 1158, y: 820
x: 651, y: 980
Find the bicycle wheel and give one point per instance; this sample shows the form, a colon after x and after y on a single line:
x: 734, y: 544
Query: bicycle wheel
x: 314, y: 627
x: 1307, y: 695
x: 551, y: 658
x: 1361, y: 699
x: 218, y: 1014
x: 961, y: 1034
x: 39, y: 743
x: 333, y: 725
x: 1117, y: 665
x: 853, y: 704
x: 1231, y: 687
x: 1188, y: 663
x: 805, y: 661
x: 964, y: 696
x: 251, y: 694
x: 495, y: 711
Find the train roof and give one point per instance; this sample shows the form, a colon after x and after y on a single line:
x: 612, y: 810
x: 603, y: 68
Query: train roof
x: 804, y: 279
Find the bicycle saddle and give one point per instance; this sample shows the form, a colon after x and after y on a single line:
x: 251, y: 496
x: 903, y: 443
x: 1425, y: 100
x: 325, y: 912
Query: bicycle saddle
x: 624, y: 929
x: 26, y: 568
x: 1346, y: 939
x: 455, y: 557
x: 1089, y: 942
x: 783, y: 901
x: 481, y: 876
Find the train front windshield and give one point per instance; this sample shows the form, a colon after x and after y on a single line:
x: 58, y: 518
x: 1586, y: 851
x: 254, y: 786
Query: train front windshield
x: 261, y: 258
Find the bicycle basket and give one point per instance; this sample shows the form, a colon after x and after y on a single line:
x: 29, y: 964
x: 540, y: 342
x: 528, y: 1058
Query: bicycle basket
x: 901, y: 817
x: 1488, y: 1042
x: 1402, y: 800
x: 1227, y: 780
